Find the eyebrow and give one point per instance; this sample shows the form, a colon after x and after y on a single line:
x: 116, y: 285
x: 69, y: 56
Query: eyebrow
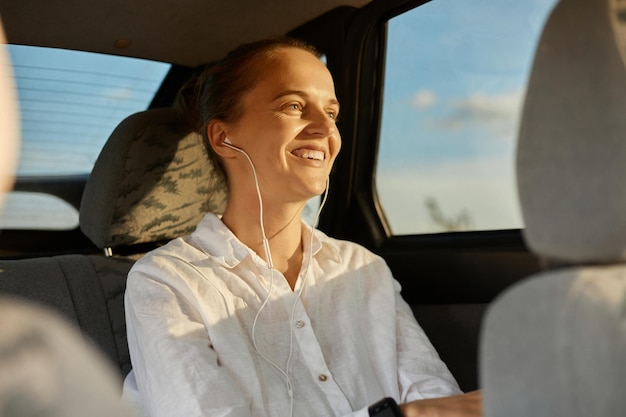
x: 300, y: 93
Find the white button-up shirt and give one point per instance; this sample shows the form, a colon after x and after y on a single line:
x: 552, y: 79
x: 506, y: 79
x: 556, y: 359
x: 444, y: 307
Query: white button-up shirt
x: 340, y: 341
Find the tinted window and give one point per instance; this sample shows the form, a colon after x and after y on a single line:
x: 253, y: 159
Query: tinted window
x: 69, y: 102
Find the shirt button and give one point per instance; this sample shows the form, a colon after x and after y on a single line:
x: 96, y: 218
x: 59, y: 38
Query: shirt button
x: 322, y: 377
x: 300, y: 324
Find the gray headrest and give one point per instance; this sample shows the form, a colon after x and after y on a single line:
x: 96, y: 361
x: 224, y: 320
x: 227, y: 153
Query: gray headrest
x: 554, y: 346
x: 153, y: 181
x: 571, y: 162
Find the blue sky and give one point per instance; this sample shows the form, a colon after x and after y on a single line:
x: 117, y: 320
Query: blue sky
x: 71, y: 101
x: 459, y: 55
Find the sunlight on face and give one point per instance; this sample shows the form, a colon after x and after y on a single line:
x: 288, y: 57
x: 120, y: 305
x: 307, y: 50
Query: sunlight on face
x: 9, y: 125
x: 288, y: 126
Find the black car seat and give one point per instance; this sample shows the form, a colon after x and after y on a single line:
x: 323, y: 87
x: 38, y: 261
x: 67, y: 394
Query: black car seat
x: 555, y: 344
x: 152, y: 182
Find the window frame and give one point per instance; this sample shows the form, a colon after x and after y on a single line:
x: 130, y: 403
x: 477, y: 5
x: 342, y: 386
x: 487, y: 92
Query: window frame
x: 513, y: 213
x: 353, y: 210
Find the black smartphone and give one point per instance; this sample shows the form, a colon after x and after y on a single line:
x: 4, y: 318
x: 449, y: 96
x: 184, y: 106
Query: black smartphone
x: 386, y: 407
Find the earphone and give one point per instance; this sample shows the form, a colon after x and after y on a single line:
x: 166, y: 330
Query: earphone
x: 266, y: 245
x: 268, y: 254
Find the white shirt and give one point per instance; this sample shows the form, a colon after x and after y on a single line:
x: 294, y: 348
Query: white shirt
x: 190, y: 309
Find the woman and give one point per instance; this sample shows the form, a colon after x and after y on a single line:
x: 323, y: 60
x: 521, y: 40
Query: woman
x: 254, y: 314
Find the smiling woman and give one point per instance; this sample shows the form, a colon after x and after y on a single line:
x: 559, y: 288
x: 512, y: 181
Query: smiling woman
x: 285, y: 117
x: 335, y: 306
x: 256, y: 313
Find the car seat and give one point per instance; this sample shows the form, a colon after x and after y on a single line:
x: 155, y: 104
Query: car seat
x: 555, y: 344
x: 152, y: 182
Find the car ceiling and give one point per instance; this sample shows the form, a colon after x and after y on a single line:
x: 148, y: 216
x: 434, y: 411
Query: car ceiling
x: 185, y: 32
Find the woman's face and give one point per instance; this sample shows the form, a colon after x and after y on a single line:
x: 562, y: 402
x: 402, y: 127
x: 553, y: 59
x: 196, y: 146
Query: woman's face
x: 288, y: 127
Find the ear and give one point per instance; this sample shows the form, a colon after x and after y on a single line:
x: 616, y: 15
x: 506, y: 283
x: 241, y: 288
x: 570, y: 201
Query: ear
x: 216, y: 132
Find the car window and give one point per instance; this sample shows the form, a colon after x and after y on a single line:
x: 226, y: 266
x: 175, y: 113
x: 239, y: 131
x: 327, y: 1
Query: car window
x: 23, y: 211
x: 70, y: 102
x: 455, y: 78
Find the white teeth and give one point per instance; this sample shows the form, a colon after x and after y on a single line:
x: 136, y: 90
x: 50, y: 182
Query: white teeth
x: 317, y: 155
x: 309, y: 154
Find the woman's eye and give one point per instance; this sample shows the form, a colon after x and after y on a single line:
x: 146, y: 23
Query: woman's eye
x: 294, y: 106
x: 332, y: 115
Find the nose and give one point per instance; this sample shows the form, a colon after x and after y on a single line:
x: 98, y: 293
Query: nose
x: 320, y: 123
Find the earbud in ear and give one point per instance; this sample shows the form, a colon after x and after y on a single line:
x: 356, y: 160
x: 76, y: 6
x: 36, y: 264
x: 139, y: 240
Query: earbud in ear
x: 230, y: 145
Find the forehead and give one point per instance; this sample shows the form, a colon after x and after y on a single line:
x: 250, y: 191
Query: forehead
x: 292, y: 69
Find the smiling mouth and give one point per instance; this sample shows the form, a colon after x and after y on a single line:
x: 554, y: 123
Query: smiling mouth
x: 309, y: 154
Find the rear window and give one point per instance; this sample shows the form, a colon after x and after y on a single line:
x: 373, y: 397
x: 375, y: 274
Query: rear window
x: 70, y: 102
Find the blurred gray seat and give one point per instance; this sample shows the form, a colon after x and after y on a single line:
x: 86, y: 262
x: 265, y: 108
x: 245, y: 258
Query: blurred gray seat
x: 152, y: 182
x: 555, y: 344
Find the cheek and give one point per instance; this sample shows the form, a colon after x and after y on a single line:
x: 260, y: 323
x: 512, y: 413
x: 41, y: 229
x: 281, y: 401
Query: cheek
x: 335, y: 144
x: 294, y: 128
x: 276, y: 131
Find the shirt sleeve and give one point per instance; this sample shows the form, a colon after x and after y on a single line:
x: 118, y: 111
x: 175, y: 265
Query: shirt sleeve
x: 176, y: 368
x: 421, y: 372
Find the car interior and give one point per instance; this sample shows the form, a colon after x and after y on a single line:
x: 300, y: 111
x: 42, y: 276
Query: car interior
x: 152, y: 180
x: 127, y: 208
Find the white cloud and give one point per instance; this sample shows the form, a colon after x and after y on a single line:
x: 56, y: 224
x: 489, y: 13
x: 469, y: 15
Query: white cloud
x: 424, y: 99
x: 483, y: 106
x: 499, y: 113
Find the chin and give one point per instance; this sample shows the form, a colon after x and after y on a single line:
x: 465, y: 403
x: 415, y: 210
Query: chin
x: 318, y: 187
x: 306, y: 187
x: 312, y: 192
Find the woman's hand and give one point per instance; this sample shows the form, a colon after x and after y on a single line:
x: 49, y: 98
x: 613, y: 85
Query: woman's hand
x: 464, y: 405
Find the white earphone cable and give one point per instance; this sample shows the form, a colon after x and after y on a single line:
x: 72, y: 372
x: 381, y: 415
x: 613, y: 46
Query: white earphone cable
x: 306, y: 272
x: 270, y: 266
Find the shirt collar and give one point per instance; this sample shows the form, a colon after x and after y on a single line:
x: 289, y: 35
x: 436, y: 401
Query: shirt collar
x: 220, y: 243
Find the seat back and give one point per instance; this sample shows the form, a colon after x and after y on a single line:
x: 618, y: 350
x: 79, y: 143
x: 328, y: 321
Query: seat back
x: 554, y: 344
x: 87, y: 289
x: 152, y: 182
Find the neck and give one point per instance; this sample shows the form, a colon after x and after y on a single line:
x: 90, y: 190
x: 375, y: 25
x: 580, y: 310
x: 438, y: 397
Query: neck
x: 283, y: 231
